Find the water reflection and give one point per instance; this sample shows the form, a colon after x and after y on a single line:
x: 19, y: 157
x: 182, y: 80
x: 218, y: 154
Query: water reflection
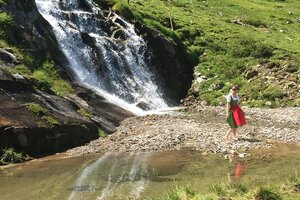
x: 140, y: 175
x: 239, y: 168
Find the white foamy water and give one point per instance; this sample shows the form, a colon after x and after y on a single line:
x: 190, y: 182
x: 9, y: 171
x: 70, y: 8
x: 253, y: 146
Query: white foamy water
x: 105, y: 54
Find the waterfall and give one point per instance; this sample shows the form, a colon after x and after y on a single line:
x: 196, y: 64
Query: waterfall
x: 104, y: 53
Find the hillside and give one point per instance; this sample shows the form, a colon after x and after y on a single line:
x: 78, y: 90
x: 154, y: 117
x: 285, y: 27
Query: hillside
x: 255, y: 44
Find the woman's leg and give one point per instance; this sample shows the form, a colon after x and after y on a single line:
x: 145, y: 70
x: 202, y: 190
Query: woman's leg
x: 229, y: 133
x: 234, y: 130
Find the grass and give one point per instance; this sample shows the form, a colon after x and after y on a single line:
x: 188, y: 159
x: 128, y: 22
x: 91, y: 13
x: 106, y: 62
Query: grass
x: 44, y: 74
x: 225, y: 39
x: 41, y: 112
x: 50, y: 120
x: 5, y: 20
x: 48, y: 77
x: 35, y: 108
x: 3, y: 2
x: 35, y: 66
x: 84, y: 113
x: 235, y: 191
x: 101, y: 133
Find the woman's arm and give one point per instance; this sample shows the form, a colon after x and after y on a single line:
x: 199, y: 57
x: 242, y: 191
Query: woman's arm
x: 228, y: 108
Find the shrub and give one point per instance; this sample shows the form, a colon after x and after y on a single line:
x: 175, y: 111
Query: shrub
x: 9, y: 155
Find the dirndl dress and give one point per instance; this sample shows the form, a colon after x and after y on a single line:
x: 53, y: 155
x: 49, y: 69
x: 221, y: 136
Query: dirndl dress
x: 236, y: 116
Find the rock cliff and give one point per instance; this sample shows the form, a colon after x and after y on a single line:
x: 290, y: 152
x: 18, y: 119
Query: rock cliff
x: 35, y: 120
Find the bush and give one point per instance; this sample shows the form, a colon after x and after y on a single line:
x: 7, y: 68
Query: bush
x: 9, y: 155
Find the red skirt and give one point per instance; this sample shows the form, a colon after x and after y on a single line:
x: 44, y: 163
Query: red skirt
x: 238, y: 115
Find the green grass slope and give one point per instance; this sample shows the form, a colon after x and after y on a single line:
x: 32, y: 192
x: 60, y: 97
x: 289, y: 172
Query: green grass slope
x: 252, y: 43
x: 33, y: 65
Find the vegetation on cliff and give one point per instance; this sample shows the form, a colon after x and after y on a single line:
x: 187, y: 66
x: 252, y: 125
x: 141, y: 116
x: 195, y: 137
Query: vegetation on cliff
x: 254, y: 44
x: 9, y: 155
x: 35, y: 66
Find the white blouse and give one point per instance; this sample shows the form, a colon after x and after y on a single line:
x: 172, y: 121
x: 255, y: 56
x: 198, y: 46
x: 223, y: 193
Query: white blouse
x: 230, y: 96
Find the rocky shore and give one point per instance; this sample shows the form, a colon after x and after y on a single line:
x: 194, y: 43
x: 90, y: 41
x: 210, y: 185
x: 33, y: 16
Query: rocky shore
x: 201, y: 128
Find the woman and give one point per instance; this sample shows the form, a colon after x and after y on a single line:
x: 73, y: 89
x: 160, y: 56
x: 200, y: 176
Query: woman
x: 235, y: 115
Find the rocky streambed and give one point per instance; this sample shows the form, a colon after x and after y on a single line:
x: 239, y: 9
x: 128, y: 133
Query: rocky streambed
x: 200, y: 128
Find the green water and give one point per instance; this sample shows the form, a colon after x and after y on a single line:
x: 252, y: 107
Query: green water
x: 142, y: 175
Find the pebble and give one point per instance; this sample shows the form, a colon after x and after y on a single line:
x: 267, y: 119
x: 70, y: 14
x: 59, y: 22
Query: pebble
x: 201, y: 130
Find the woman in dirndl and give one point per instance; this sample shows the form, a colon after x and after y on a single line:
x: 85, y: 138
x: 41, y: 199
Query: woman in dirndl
x: 235, y: 115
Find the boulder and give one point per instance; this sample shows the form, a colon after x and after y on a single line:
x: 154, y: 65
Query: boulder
x: 7, y: 57
x: 250, y: 74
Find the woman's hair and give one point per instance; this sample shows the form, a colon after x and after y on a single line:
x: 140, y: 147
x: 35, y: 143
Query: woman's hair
x: 235, y: 87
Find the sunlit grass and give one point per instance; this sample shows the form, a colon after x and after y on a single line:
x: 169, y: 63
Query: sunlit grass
x: 223, y: 39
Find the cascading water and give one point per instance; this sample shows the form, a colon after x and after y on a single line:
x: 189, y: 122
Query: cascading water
x: 104, y: 53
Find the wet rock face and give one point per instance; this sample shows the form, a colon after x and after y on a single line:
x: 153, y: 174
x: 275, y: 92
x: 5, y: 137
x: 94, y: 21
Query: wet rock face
x: 40, y: 140
x: 174, y: 70
x: 32, y: 31
x: 34, y: 133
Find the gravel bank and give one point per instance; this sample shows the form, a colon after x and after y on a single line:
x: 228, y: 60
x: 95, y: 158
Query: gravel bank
x: 201, y: 128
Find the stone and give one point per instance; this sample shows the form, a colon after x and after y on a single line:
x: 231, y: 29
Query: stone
x: 268, y: 103
x: 250, y: 74
x: 7, y: 57
x: 219, y: 86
